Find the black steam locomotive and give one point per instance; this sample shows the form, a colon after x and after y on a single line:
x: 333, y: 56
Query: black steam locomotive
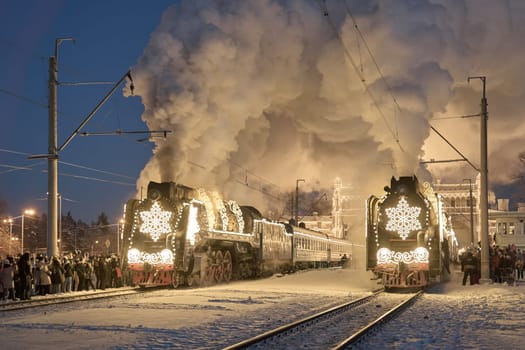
x: 184, y: 236
x: 408, y: 236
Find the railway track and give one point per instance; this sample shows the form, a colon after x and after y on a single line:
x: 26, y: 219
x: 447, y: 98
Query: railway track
x: 336, y: 328
x: 54, y: 299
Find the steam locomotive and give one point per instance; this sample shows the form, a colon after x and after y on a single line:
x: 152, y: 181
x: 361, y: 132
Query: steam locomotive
x: 409, y: 237
x: 180, y: 235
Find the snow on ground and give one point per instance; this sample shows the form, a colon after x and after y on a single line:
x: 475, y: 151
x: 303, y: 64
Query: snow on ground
x: 450, y: 317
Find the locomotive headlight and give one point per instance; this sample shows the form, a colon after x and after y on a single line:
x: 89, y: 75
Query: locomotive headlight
x: 133, y: 256
x: 166, y: 256
x: 421, y: 254
x: 383, y: 255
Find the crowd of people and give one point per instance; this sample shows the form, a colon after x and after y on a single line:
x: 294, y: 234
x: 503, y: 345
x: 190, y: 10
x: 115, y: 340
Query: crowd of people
x: 26, y: 275
x: 505, y: 264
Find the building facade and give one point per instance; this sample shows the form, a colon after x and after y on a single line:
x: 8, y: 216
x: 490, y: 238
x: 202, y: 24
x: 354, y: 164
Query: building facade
x: 506, y: 227
x: 461, y: 203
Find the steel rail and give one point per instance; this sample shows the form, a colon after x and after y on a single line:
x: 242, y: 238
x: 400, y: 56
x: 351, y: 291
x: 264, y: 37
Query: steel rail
x: 63, y: 299
x: 274, y: 332
x: 360, y: 334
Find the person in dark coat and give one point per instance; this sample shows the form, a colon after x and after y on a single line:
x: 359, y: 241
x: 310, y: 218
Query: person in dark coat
x: 57, y: 276
x: 469, y: 265
x: 26, y: 278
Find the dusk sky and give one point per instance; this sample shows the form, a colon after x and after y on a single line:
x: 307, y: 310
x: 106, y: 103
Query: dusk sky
x: 257, y: 94
x: 109, y: 38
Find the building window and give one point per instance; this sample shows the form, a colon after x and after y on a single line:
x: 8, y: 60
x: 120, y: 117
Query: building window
x: 502, y: 228
x: 452, y: 202
x: 511, y: 228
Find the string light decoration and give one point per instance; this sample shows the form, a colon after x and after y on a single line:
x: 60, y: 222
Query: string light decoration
x: 235, y: 209
x: 403, y: 218
x: 165, y: 257
x: 155, y: 221
x: 193, y: 224
x: 219, y: 204
x: 203, y: 196
x: 418, y: 255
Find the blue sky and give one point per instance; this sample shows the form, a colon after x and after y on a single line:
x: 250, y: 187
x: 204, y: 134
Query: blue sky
x: 109, y: 38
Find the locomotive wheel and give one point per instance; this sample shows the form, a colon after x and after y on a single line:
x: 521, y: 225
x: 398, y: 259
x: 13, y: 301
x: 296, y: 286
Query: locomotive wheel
x: 227, y: 266
x: 209, y: 277
x: 190, y: 280
x: 193, y: 280
x: 219, y: 271
x: 175, y: 279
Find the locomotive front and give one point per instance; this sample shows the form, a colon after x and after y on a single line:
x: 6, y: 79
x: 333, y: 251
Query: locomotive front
x: 152, y: 232
x: 403, y: 239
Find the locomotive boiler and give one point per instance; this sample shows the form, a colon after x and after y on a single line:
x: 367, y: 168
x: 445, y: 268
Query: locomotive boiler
x: 179, y: 235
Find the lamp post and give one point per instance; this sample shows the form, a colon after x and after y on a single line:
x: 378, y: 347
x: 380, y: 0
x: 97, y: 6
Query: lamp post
x: 120, y: 229
x: 93, y: 247
x: 10, y: 222
x: 59, y: 224
x: 27, y: 212
x: 297, y: 200
x: 471, y: 213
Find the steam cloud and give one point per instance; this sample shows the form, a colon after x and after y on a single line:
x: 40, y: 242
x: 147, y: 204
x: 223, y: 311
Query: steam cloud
x: 259, y: 93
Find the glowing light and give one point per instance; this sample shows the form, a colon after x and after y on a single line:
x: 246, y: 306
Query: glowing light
x: 209, y: 207
x: 403, y: 218
x: 234, y: 207
x: 386, y: 256
x: 193, y: 224
x: 155, y: 221
x: 133, y: 256
x: 165, y: 257
x: 219, y: 204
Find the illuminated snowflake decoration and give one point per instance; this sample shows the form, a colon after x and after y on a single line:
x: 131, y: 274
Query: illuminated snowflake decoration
x: 403, y: 218
x: 155, y: 221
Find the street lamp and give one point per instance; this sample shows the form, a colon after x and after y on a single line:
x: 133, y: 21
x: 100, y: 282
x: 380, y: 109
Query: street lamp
x: 297, y: 200
x: 10, y: 222
x: 27, y: 212
x: 471, y: 213
x: 59, y: 224
x: 93, y: 248
x: 120, y: 229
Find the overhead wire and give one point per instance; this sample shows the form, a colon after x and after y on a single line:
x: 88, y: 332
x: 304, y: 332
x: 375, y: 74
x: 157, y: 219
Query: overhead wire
x: 394, y: 134
x: 34, y: 165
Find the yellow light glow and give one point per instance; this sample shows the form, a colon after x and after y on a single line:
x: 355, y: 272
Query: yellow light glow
x: 203, y: 196
x: 219, y: 205
x: 234, y: 207
x: 135, y: 256
x: 386, y: 256
x: 155, y: 221
x: 403, y: 218
x: 193, y: 225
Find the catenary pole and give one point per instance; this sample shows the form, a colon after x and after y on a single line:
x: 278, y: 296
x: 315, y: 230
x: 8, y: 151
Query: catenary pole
x: 483, y: 202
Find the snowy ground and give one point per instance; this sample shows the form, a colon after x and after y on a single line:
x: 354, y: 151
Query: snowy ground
x: 452, y: 317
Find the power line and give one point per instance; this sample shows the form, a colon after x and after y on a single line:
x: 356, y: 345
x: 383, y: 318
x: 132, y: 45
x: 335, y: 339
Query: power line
x: 389, y: 88
x: 90, y: 178
x: 326, y: 14
x: 96, y: 170
x: 33, y: 165
x: 23, y: 98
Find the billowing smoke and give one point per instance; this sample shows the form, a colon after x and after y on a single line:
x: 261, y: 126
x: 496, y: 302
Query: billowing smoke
x: 260, y: 93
